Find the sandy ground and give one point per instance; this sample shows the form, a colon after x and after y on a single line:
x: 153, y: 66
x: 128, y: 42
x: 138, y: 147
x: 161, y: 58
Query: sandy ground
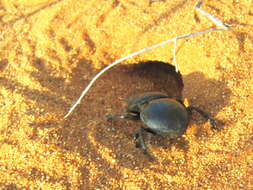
x: 51, y: 49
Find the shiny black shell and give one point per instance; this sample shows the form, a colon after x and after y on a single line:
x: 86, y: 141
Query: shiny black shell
x: 165, y: 117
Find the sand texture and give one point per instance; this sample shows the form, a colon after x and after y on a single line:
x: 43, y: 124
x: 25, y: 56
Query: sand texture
x: 50, y: 50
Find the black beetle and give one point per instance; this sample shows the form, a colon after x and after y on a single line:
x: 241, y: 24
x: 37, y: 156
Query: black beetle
x: 161, y: 114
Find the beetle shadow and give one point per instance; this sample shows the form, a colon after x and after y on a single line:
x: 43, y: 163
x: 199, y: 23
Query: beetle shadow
x: 210, y: 95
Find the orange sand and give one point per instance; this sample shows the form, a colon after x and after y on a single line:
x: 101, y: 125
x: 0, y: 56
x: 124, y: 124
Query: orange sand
x: 51, y: 49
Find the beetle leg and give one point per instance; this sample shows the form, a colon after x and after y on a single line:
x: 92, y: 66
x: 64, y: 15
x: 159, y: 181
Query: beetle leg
x: 150, y: 131
x: 203, y: 114
x: 136, y: 136
x: 123, y: 116
x: 141, y: 143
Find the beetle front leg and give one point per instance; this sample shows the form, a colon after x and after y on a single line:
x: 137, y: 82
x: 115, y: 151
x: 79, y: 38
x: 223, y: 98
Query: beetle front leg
x: 203, y: 114
x: 140, y: 141
x: 128, y: 116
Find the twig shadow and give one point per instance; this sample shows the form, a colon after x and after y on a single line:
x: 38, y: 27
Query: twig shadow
x: 23, y: 17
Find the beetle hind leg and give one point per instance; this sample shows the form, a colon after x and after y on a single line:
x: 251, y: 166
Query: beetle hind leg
x: 203, y: 114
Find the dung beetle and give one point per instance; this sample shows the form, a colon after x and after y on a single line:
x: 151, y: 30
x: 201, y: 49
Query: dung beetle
x: 161, y: 115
